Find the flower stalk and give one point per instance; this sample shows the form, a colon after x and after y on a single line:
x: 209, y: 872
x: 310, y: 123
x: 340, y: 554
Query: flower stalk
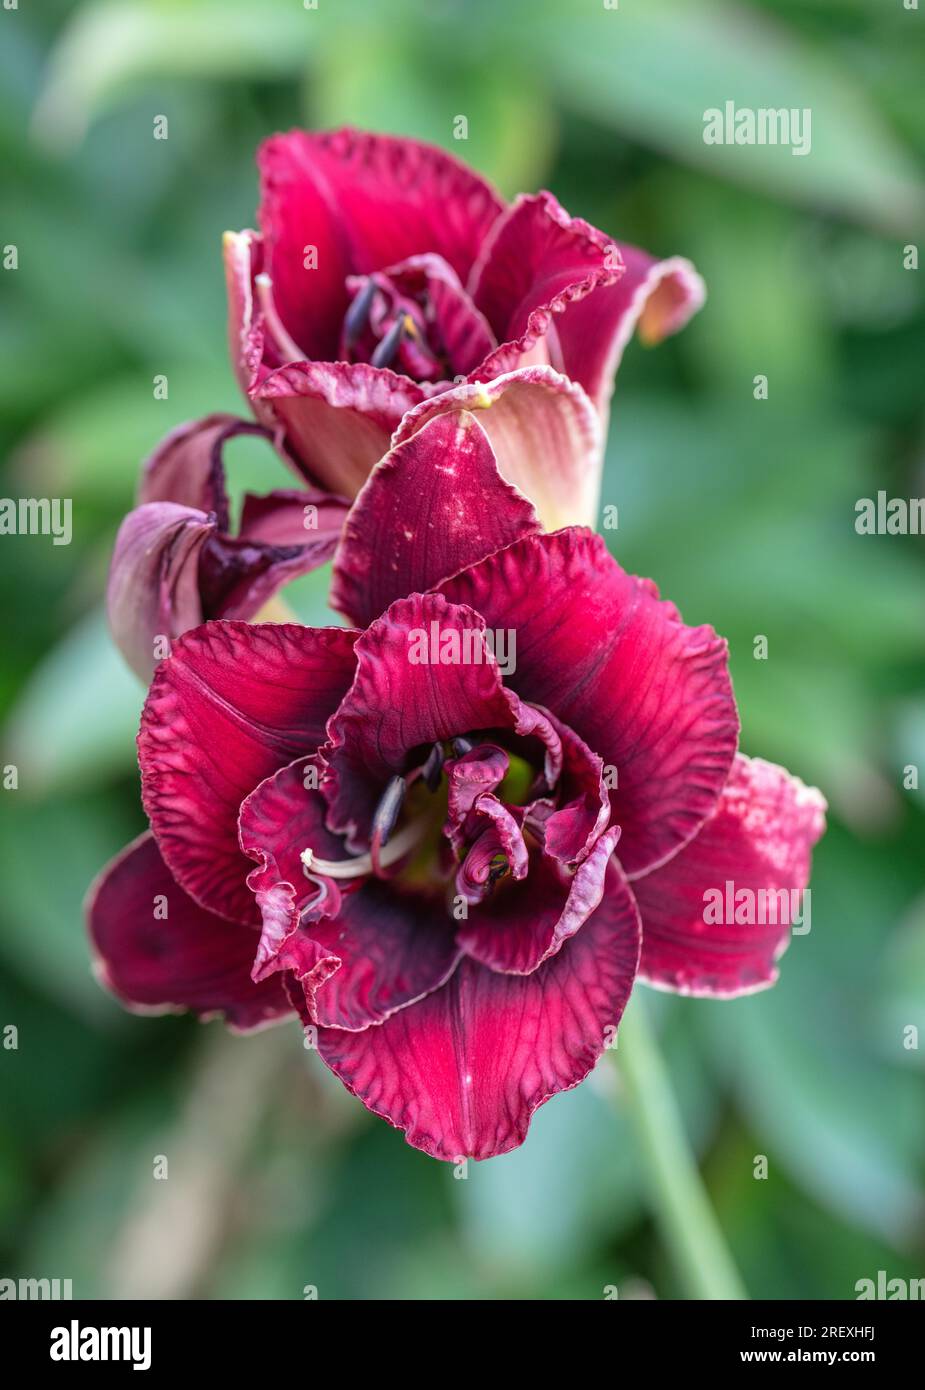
x: 680, y: 1204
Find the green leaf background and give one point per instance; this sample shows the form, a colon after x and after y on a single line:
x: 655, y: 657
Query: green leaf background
x: 743, y: 511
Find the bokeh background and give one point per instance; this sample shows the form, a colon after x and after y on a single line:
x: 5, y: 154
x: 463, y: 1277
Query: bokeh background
x: 743, y: 510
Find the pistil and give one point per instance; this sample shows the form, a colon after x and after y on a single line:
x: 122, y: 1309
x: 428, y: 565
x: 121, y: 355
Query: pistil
x: 362, y: 864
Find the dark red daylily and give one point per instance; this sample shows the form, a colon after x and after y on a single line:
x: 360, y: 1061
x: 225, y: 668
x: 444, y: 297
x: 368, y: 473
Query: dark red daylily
x: 175, y: 562
x: 459, y: 868
x: 386, y: 272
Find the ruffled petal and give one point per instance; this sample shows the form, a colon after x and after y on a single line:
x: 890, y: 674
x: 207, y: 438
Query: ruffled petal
x: 337, y: 416
x: 385, y: 950
x: 656, y: 297
x: 357, y: 956
x: 432, y: 506
x: 649, y: 695
x: 283, y: 816
x: 159, y: 952
x: 153, y: 589
x: 232, y: 704
x: 497, y: 848
x: 462, y: 1071
x: 545, y: 435
x: 750, y: 860
x: 523, y: 923
x: 480, y: 770
x: 538, y: 262
x: 582, y: 810
x: 362, y: 202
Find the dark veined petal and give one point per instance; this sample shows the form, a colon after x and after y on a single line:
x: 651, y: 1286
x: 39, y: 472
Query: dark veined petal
x: 649, y: 695
x: 545, y: 435
x: 463, y: 1070
x: 433, y: 505
x: 153, y: 591
x: 362, y: 202
x: 752, y: 856
x: 159, y: 952
x: 582, y: 812
x: 233, y: 703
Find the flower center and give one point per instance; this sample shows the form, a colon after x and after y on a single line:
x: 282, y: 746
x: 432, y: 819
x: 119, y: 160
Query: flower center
x: 391, y: 328
x: 462, y: 813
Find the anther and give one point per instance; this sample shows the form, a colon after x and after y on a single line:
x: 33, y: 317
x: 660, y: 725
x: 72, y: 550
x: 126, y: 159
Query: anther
x: 433, y: 767
x: 385, y: 818
x: 357, y: 316
x: 387, y: 350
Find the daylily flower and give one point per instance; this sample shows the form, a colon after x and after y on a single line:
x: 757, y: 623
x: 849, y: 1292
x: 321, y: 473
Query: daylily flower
x: 460, y: 870
x: 386, y: 272
x: 176, y: 562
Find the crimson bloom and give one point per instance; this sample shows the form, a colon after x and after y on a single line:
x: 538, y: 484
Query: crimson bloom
x: 386, y: 272
x: 451, y: 837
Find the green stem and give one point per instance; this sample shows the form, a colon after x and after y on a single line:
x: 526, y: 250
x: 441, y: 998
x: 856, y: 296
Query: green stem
x: 681, y: 1206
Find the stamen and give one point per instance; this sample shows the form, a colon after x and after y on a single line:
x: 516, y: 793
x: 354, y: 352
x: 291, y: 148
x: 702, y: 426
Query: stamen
x: 387, y: 350
x: 386, y: 815
x: 362, y: 864
x: 357, y: 316
x: 462, y: 746
x: 289, y: 349
x: 433, y: 768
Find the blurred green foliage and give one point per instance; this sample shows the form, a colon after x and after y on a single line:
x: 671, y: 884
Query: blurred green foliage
x: 743, y: 511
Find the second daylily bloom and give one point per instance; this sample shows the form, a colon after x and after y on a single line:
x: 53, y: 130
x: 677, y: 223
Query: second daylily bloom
x: 386, y: 272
